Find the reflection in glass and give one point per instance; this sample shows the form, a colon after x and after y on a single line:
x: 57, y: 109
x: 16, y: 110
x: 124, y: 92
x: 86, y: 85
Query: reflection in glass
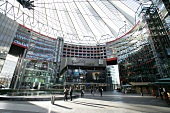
x: 69, y: 72
x: 76, y: 73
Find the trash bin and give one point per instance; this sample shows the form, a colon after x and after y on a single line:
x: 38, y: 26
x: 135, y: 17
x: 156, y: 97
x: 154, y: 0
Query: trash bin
x: 52, y: 99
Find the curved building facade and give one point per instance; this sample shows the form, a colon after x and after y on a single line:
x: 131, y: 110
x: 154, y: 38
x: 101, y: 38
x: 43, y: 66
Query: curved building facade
x: 143, y: 52
x: 38, y: 65
x: 84, y: 66
x: 42, y: 62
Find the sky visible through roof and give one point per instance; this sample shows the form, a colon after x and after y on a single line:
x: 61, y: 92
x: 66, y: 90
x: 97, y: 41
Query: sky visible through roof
x: 77, y: 21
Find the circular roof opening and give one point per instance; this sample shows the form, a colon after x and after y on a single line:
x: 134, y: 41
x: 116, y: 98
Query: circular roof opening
x: 86, y: 22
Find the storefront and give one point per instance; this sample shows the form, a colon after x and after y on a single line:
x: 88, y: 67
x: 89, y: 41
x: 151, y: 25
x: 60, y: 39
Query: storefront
x: 84, y: 73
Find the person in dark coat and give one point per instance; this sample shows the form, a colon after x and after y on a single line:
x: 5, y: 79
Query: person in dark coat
x: 65, y: 94
x: 92, y: 92
x: 101, y: 91
x: 82, y: 92
x: 141, y: 91
x: 71, y: 92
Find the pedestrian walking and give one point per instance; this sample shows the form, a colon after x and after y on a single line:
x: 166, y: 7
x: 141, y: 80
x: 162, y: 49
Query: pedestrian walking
x: 71, y: 92
x: 141, y: 91
x: 101, y: 91
x: 65, y: 94
x: 92, y: 92
x: 157, y: 94
x: 82, y: 92
x: 160, y: 93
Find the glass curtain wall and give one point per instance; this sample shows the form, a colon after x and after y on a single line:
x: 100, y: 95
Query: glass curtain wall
x: 36, y: 75
x: 142, y: 53
x: 135, y: 56
x: 41, y: 60
x: 159, y: 37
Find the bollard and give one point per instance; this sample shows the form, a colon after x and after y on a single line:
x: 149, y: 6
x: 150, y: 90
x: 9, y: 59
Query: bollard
x: 52, y: 100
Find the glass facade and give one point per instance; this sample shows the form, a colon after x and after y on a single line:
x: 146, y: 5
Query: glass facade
x: 113, y: 76
x: 83, y: 66
x: 22, y: 37
x: 142, y: 53
x: 36, y: 75
x: 39, y: 65
x: 159, y: 39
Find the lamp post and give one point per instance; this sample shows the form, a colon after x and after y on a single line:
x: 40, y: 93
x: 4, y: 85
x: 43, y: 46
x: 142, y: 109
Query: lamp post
x: 125, y: 26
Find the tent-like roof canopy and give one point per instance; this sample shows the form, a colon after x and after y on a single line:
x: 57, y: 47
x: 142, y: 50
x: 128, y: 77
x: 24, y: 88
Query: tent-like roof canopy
x: 77, y: 21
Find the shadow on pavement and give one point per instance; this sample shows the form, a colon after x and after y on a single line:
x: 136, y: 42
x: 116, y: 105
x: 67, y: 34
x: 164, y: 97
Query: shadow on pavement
x: 87, y: 104
x: 94, y: 104
x: 115, y: 96
x: 62, y: 106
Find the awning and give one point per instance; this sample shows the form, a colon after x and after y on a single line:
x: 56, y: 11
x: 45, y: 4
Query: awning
x: 140, y: 83
x: 126, y: 85
x: 161, y: 83
x: 164, y: 80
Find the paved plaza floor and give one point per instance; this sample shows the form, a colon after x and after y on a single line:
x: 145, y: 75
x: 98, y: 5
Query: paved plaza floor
x: 110, y: 102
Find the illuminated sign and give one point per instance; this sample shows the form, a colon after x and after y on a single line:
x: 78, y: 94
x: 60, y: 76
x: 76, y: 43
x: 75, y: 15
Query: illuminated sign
x: 78, y: 61
x: 20, y: 43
